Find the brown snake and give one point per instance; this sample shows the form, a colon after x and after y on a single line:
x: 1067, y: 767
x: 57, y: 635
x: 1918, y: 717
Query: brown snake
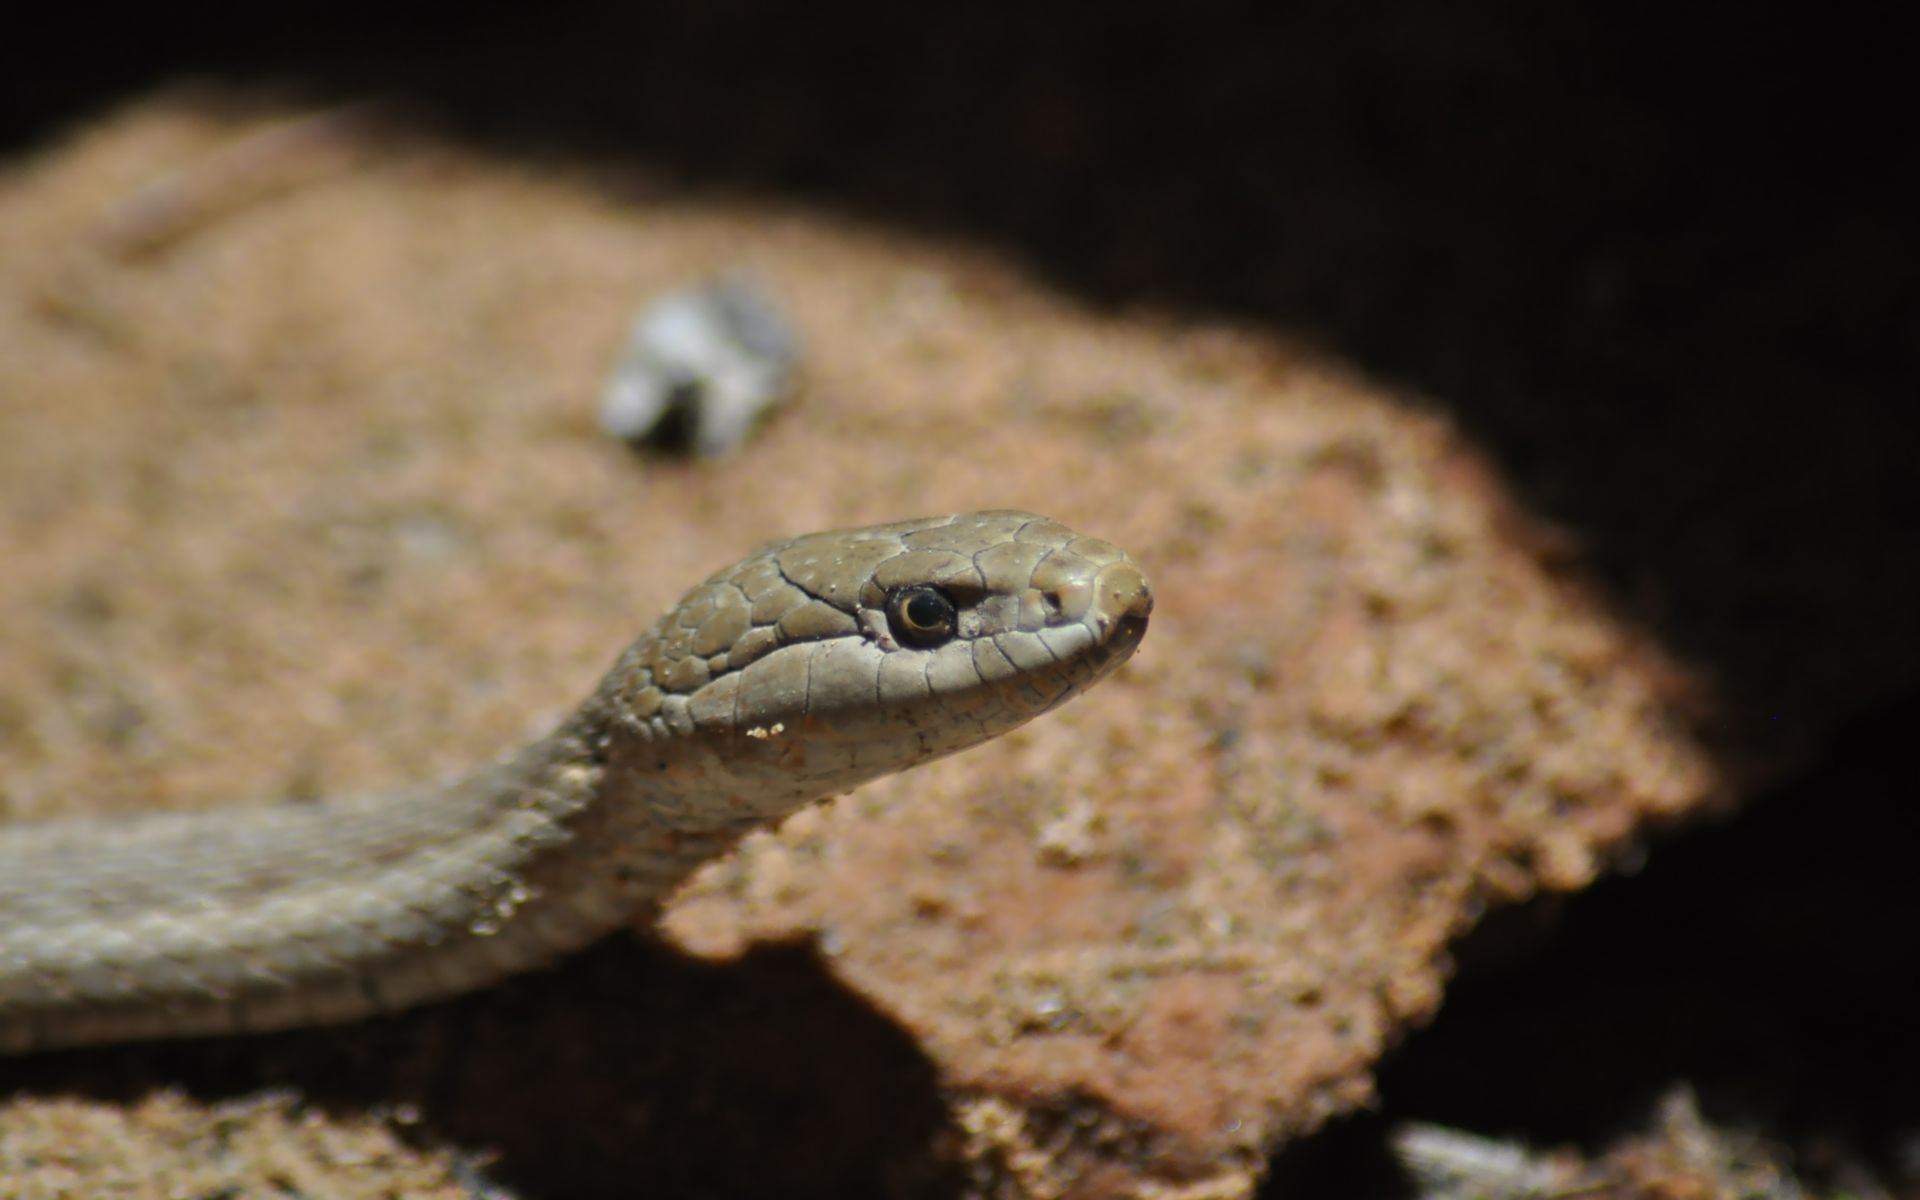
x: 796, y: 674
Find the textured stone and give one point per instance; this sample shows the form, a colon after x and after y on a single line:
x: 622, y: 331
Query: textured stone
x: 265, y: 540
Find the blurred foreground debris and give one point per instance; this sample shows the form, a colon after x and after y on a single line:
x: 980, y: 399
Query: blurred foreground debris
x: 1681, y: 1156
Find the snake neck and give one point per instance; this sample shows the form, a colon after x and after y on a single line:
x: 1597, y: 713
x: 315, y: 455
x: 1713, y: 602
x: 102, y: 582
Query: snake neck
x: 303, y: 914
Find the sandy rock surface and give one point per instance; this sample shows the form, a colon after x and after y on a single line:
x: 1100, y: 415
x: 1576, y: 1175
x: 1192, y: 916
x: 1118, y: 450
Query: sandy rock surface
x: 301, y: 491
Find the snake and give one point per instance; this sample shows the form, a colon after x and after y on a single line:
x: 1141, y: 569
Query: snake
x: 800, y: 672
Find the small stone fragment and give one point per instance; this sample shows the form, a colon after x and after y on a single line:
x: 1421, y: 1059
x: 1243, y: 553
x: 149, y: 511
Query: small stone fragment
x: 701, y: 365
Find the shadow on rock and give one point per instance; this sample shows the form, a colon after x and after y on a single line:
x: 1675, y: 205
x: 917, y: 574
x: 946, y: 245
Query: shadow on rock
x: 628, y: 1067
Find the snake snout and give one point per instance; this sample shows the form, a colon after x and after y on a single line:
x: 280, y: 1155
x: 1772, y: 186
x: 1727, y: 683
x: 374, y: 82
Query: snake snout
x: 1124, y: 600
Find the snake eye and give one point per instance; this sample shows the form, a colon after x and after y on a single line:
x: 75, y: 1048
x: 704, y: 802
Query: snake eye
x: 921, y: 616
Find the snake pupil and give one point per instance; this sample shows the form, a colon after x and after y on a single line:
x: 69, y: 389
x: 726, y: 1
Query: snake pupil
x: 925, y: 611
x: 921, y: 616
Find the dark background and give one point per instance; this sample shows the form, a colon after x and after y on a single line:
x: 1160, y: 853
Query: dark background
x: 1658, y: 261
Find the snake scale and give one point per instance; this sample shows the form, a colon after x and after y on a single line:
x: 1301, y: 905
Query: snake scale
x: 796, y: 674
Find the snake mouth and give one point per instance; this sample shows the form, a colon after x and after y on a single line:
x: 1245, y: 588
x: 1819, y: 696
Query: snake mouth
x: 1120, y: 636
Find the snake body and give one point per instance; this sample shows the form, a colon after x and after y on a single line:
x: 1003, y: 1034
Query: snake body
x: 796, y: 674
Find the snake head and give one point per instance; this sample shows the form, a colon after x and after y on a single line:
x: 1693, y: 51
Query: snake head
x: 827, y: 660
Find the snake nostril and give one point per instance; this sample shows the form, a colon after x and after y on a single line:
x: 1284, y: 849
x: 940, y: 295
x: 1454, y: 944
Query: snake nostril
x: 1131, y: 627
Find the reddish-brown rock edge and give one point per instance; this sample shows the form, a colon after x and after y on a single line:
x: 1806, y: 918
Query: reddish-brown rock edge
x: 300, y: 491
